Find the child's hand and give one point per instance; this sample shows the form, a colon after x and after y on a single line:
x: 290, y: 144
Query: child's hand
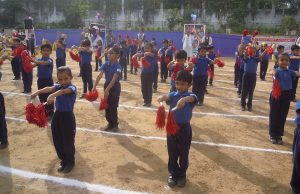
x: 160, y: 99
x: 50, y: 99
x: 34, y: 95
x: 106, y: 93
x: 180, y: 103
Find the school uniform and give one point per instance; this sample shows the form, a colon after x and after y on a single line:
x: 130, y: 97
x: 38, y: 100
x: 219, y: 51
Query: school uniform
x: 264, y: 66
x: 155, y: 71
x: 295, y: 180
x: 169, y: 54
x: 280, y: 108
x: 98, y: 54
x: 294, y: 65
x: 27, y: 78
x: 237, y: 69
x: 123, y: 61
x: 249, y: 80
x: 179, y: 144
x: 241, y: 74
x: 44, y: 74
x: 163, y: 64
x: 132, y: 51
x: 111, y: 113
x: 212, y: 66
x: 60, y: 57
x: 147, y: 79
x: 16, y: 62
x: 175, y: 69
x: 3, y: 126
x: 200, y: 76
x: 86, y: 70
x: 63, y: 125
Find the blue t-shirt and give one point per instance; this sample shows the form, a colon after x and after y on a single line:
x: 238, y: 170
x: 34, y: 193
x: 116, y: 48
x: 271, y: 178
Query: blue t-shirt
x: 251, y: 64
x: 133, y: 49
x: 124, y: 53
x: 285, y: 77
x: 65, y: 103
x: 183, y: 115
x: 212, y: 56
x: 294, y: 64
x: 60, y: 53
x: 200, y: 67
x: 163, y: 53
x: 85, y: 57
x: 152, y: 61
x: 45, y: 71
x: 265, y: 57
x: 110, y: 69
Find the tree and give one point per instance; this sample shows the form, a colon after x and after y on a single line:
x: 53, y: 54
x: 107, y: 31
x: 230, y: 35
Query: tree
x: 11, y: 8
x: 75, y: 12
x: 174, y: 18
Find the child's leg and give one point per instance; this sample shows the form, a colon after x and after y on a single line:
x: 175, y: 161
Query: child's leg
x: 68, y: 130
x: 240, y: 81
x: 29, y: 83
x: 125, y: 69
x: 252, y: 84
x: 24, y: 79
x: 236, y: 74
x: 184, y: 143
x: 261, y: 70
x: 42, y: 83
x: 196, y: 86
x: 245, y: 89
x: 84, y: 76
x: 274, y: 117
x: 295, y: 181
x: 144, y: 86
x: 3, y: 126
x: 97, y: 64
x: 203, y: 84
x: 173, y: 153
x: 283, y: 110
x: 113, y: 103
x: 212, y: 67
x: 149, y: 87
x: 155, y: 77
x: 56, y: 123
x: 294, y: 89
x: 90, y: 77
x: 164, y: 71
x: 266, y: 64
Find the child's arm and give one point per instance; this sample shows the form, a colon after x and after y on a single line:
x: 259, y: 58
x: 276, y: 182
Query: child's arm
x: 182, y: 101
x: 163, y: 98
x: 98, y: 79
x: 295, y: 57
x: 43, y: 91
x: 41, y: 62
x: 52, y: 96
x: 111, y: 84
x: 169, y: 66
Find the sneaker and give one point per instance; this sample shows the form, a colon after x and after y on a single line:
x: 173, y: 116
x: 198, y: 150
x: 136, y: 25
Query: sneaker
x: 172, y: 181
x: 243, y: 108
x: 16, y: 78
x: 68, y: 168
x: 61, y: 167
x: 279, y: 141
x: 108, y: 127
x: 115, y: 129
x: 250, y: 109
x: 273, y: 140
x: 3, y: 145
x: 82, y: 96
x: 181, y: 182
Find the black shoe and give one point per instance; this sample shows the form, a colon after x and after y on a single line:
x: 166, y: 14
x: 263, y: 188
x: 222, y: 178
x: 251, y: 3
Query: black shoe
x: 279, y: 141
x: 147, y: 104
x: 16, y: 78
x: 273, y: 140
x: 200, y: 104
x: 115, y: 129
x: 108, y: 127
x: 181, y: 182
x: 68, y: 168
x: 3, y: 145
x: 250, y: 109
x: 243, y: 108
x: 61, y: 167
x: 172, y: 181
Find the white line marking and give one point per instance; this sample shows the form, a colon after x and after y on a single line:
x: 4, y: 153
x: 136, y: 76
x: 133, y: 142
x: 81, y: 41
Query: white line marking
x: 65, y: 181
x: 154, y: 109
x: 164, y: 139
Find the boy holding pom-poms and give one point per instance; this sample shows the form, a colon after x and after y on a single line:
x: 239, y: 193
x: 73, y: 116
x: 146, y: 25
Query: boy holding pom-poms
x: 280, y: 98
x: 181, y: 104
x: 112, y: 87
x: 63, y: 124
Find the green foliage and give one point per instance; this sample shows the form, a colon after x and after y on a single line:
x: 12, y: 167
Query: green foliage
x: 174, y: 18
x: 75, y: 13
x: 11, y: 7
x: 289, y: 23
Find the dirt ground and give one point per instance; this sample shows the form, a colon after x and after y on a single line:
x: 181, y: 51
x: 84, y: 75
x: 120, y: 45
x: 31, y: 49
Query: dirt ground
x: 139, y: 164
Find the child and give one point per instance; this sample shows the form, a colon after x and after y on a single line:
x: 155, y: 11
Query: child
x: 170, y: 53
x: 264, y: 63
x: 179, y: 144
x: 177, y: 66
x: 133, y: 50
x: 44, y: 74
x: 26, y: 76
x: 241, y: 65
x: 63, y: 125
x: 249, y: 77
x: 279, y: 108
x: 280, y: 50
x: 85, y: 53
x: 295, y: 181
x: 211, y: 56
x: 147, y: 73
x: 155, y: 71
x: 60, y: 54
x: 3, y: 127
x: 123, y: 59
x: 200, y: 63
x: 294, y: 65
x: 112, y: 88
x: 16, y: 62
x: 98, y: 54
x: 163, y: 63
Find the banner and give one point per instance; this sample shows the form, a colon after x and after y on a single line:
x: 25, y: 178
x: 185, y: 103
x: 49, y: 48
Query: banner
x: 286, y: 42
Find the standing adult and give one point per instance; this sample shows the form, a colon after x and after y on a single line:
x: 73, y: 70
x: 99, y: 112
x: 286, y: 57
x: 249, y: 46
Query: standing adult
x: 207, y: 39
x: 110, y: 39
x: 141, y: 37
x: 187, y: 41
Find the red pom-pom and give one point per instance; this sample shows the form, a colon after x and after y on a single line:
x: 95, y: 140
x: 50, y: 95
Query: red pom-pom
x: 159, y: 58
x: 171, y: 127
x: 276, y: 92
x: 255, y: 33
x: 160, y: 117
x: 194, y: 60
x: 269, y: 50
x: 40, y: 116
x: 92, y: 96
x: 220, y: 63
x: 250, y: 51
x: 103, y: 104
x: 26, y: 60
x: 135, y: 62
x: 30, y: 113
x: 167, y: 60
x: 145, y: 63
x: 74, y: 56
x: 245, y: 32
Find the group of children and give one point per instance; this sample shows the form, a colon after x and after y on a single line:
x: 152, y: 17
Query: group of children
x: 181, y: 101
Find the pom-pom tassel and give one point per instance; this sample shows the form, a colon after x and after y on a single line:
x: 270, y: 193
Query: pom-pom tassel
x: 161, y: 117
x: 40, y: 116
x: 171, y: 127
x: 92, y: 96
x: 30, y: 113
x: 74, y: 56
x: 219, y: 62
x: 103, y: 104
x: 135, y: 62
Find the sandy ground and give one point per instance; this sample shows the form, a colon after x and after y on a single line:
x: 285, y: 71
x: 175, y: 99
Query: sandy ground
x: 141, y: 164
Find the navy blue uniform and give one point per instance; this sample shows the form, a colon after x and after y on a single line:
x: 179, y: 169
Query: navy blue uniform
x: 294, y: 65
x: 155, y: 72
x: 249, y: 80
x: 295, y: 181
x: 147, y: 79
x: 163, y: 64
x: 3, y: 127
x: 179, y: 144
x: 200, y: 76
x: 236, y: 69
x: 280, y: 108
x: 63, y: 125
x: 264, y: 66
x: 60, y: 57
x: 44, y: 74
x: 123, y: 61
x: 27, y: 79
x: 212, y: 66
x: 132, y: 51
x: 16, y: 62
x: 241, y: 74
x: 86, y: 70
x: 111, y: 113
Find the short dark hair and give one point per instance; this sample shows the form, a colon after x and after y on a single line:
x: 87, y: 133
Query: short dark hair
x: 64, y: 69
x: 116, y: 49
x: 181, y: 54
x: 47, y: 46
x: 86, y: 42
x: 202, y: 47
x: 280, y: 47
x: 295, y: 47
x: 283, y: 55
x: 184, y: 76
